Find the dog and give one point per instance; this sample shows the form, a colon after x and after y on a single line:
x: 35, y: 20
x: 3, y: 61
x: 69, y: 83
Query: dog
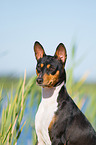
x: 58, y: 120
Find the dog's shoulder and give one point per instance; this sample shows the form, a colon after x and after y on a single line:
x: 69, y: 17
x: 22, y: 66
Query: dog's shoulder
x: 71, y: 124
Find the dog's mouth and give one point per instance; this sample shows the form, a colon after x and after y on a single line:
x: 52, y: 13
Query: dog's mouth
x: 48, y: 84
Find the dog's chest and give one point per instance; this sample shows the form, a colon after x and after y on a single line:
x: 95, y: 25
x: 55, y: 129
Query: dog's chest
x: 45, y: 113
x: 43, y: 118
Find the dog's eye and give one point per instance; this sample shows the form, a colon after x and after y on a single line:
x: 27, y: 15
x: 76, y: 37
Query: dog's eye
x: 52, y: 68
x: 38, y: 68
x: 38, y: 65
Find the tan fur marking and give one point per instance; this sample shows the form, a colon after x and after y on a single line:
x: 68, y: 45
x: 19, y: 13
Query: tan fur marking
x: 42, y: 65
x: 48, y: 65
x: 37, y: 72
x: 52, y: 122
x: 50, y: 80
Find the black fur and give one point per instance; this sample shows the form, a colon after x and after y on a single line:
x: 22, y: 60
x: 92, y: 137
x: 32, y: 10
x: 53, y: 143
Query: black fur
x: 71, y: 126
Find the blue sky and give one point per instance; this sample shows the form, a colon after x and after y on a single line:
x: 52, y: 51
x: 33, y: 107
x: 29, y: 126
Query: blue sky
x: 50, y: 22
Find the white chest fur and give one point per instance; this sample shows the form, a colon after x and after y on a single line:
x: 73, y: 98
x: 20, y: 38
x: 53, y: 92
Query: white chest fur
x: 45, y: 113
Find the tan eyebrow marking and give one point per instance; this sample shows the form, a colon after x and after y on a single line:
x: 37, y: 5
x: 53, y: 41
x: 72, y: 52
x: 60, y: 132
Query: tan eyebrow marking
x: 48, y: 65
x: 42, y: 65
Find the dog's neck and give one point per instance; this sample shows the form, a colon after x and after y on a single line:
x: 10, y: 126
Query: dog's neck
x: 49, y: 92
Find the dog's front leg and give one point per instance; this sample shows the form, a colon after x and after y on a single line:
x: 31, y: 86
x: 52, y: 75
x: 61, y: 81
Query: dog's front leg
x: 40, y: 143
x: 39, y: 140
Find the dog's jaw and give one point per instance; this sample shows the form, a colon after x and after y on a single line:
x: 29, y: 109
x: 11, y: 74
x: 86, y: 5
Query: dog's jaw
x: 46, y: 112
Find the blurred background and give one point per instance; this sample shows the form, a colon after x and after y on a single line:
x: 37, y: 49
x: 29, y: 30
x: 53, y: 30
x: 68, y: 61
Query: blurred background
x: 49, y: 22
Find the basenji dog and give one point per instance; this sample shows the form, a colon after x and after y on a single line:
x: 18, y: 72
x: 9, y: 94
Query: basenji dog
x: 58, y: 120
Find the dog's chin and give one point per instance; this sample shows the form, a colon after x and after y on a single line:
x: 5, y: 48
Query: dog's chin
x: 50, y: 85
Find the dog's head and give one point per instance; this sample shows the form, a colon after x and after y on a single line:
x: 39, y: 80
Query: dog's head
x: 50, y: 69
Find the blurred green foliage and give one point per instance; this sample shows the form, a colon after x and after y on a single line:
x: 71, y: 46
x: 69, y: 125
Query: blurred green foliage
x: 11, y: 125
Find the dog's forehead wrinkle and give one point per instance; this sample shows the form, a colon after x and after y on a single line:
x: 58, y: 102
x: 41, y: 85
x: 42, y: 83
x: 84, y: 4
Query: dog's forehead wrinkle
x: 49, y: 60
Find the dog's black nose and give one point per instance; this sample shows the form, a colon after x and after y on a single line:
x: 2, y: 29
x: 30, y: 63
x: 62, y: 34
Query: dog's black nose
x: 39, y: 80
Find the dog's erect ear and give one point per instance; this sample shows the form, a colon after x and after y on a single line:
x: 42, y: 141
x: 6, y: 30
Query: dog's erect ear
x: 39, y: 51
x: 61, y: 53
